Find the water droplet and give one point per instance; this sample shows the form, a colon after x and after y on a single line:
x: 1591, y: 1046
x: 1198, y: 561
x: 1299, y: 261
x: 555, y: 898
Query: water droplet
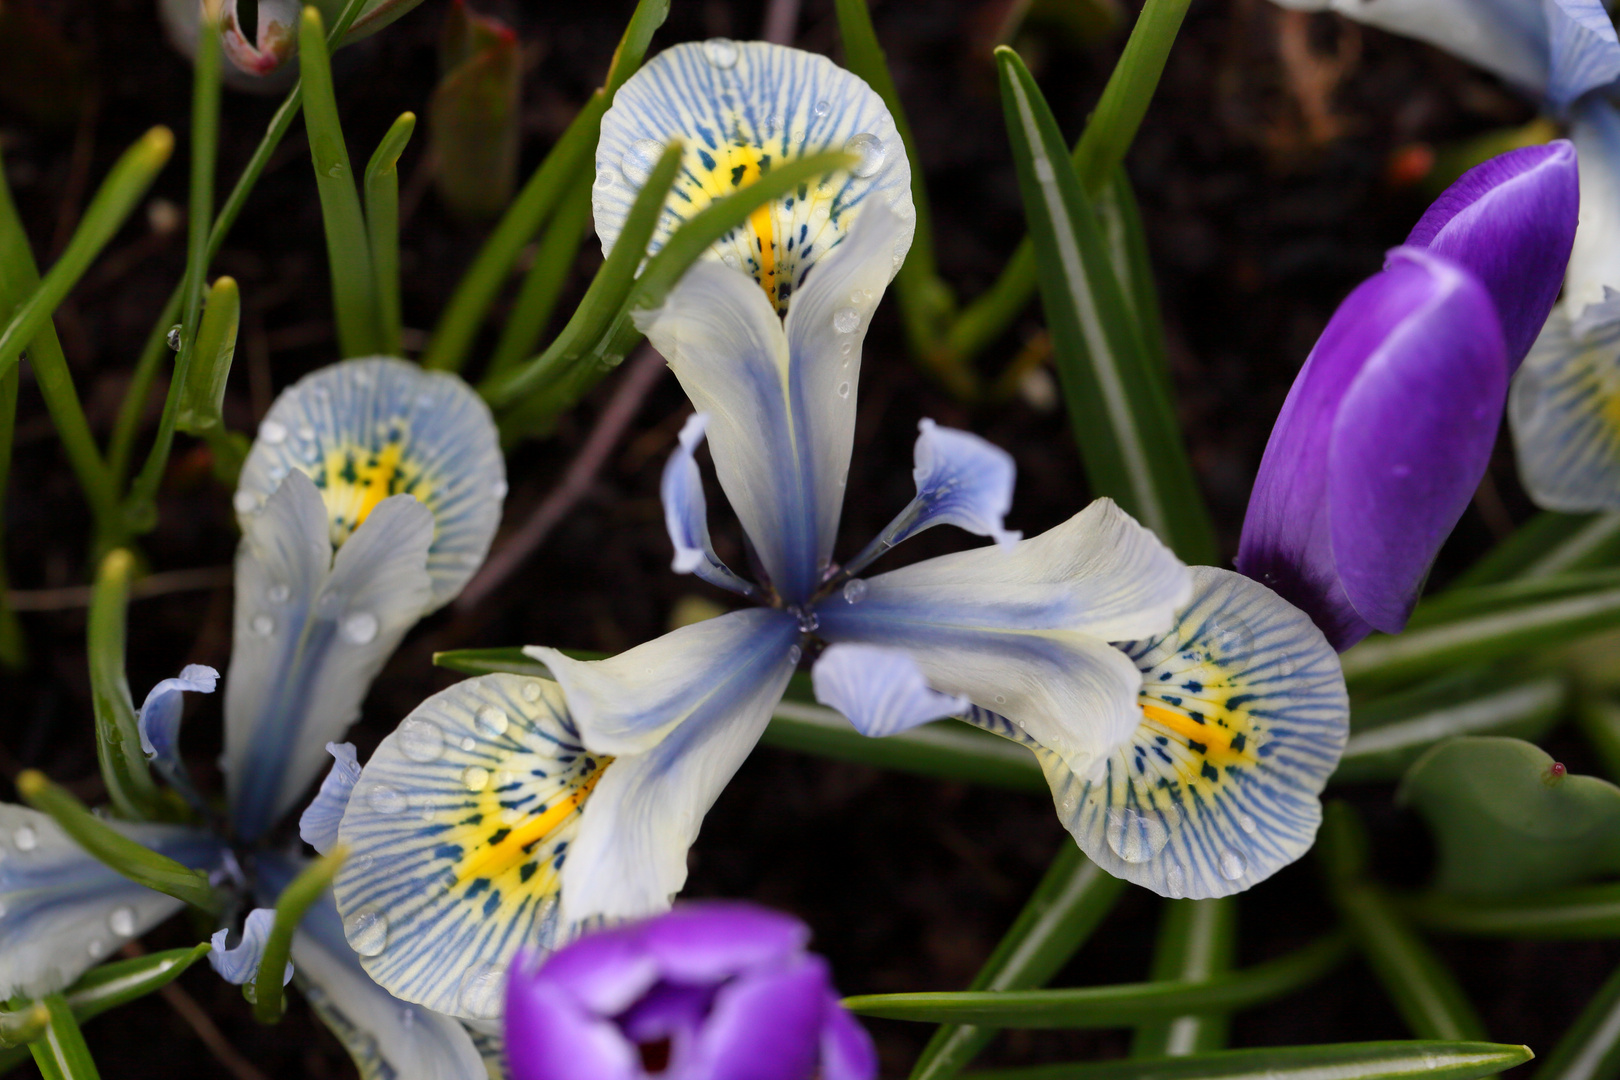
x: 476, y: 777
x: 1001, y: 699
x: 482, y: 989
x: 272, y: 433
x: 277, y: 472
x: 262, y: 625
x: 25, y: 838
x: 847, y: 348
x: 1233, y: 865
x: 809, y: 621
x: 638, y: 161
x: 468, y: 743
x: 1044, y: 171
x: 731, y: 260
x: 1175, y: 881
x: 306, y: 432
x: 1232, y: 640
x: 868, y: 148
x: 122, y: 921
x: 1246, y: 823
x: 855, y: 591
x: 721, y: 52
x: 531, y: 691
x: 359, y: 628
x: 794, y: 652
x: 385, y: 800
x: 97, y: 948
x: 843, y: 389
x: 498, y: 489
x: 278, y: 593
x: 421, y: 740
x: 367, y: 931
x: 1134, y: 836
x: 173, y: 338
x: 336, y: 170
x: 846, y: 320
x: 492, y: 721
x: 604, y: 177
x: 250, y: 991
x: 822, y: 108
x: 244, y: 502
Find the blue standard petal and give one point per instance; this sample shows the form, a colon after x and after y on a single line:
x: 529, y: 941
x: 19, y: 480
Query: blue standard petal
x: 318, y: 827
x: 881, y: 690
x: 240, y: 963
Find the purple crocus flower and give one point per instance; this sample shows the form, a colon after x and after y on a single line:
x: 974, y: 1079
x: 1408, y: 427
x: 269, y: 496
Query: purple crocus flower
x: 710, y: 991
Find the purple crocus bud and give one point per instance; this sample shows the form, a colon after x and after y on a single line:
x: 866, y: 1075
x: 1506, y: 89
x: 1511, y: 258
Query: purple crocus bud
x: 1379, y: 447
x: 1511, y: 222
x: 710, y: 991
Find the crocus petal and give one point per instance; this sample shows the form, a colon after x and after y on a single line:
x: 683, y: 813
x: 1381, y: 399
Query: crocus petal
x: 630, y: 856
x: 318, y: 825
x: 307, y: 644
x: 1378, y: 448
x: 1594, y: 262
x: 686, y: 513
x: 367, y: 429
x: 159, y: 724
x: 628, y: 703
x: 240, y: 963
x: 388, y: 1039
x: 1243, y: 717
x: 880, y: 689
x: 712, y: 940
x: 458, y: 831
x: 847, y: 1052
x: 1562, y: 409
x: 62, y: 911
x: 740, y: 108
x: 550, y: 1036
x: 1585, y: 51
x: 1024, y: 631
x: 764, y: 1026
x: 962, y: 480
x: 1511, y: 222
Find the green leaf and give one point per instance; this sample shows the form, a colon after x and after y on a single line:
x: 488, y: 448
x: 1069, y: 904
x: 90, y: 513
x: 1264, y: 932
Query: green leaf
x: 1507, y: 822
x: 382, y: 228
x: 122, y: 981
x: 135, y: 861
x: 1580, y: 914
x: 1526, y: 708
x: 1599, y: 720
x: 202, y: 398
x: 348, y: 249
x: 1590, y: 1049
x: 473, y: 114
x: 60, y: 1052
x: 543, y: 284
x: 1422, y: 989
x: 1118, y: 404
x: 1058, y: 918
x: 1112, y: 1006
x: 491, y: 661
x: 1197, y: 940
x: 118, y: 741
x: 295, y: 899
x: 1548, y: 543
x: 1414, y: 1060
x: 13, y: 643
x: 569, y: 158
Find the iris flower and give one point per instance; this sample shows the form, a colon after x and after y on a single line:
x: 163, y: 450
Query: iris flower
x: 370, y: 496
x: 509, y: 811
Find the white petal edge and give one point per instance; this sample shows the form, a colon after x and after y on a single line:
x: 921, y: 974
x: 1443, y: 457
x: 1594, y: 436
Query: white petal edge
x: 1594, y: 261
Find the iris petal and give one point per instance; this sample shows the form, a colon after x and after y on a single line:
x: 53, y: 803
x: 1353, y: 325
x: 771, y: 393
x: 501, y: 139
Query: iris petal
x: 239, y: 963
x: 1594, y: 262
x: 318, y: 825
x: 686, y: 513
x: 158, y: 723
x: 1565, y: 411
x: 1585, y: 51
x: 881, y: 690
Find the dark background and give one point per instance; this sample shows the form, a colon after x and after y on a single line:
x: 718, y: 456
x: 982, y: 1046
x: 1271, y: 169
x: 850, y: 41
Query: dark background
x: 1264, y: 170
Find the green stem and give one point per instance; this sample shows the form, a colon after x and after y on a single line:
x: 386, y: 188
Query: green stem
x: 295, y: 899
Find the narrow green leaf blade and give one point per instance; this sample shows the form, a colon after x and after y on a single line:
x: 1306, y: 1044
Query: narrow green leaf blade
x: 1548, y: 543
x: 1599, y: 719
x: 201, y: 408
x: 60, y: 1052
x: 382, y: 228
x: 543, y: 284
x: 122, y: 981
x: 1590, y: 1049
x: 295, y: 899
x: 1413, y: 1060
x: 1580, y: 914
x: 118, y: 741
x: 1197, y: 940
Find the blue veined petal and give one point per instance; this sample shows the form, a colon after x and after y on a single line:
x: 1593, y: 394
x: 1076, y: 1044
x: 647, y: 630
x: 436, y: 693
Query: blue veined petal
x: 388, y: 1039
x: 159, y: 724
x: 308, y: 642
x: 62, y: 911
x: 457, y: 834
x: 1244, y: 718
x: 1025, y: 632
x: 1564, y: 408
x: 740, y: 108
x: 239, y: 963
x: 1594, y: 261
x: 366, y: 429
x: 686, y: 513
x: 1585, y: 51
x: 318, y: 825
x: 880, y: 690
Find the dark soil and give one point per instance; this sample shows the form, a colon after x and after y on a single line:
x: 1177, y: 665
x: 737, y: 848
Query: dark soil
x: 1265, y: 186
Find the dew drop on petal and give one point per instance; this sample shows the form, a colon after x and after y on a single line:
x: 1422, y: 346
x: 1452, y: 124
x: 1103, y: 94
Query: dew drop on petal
x: 822, y: 108
x: 262, y: 625
x: 122, y: 921
x: 278, y: 593
x: 721, y: 52
x: 1232, y: 640
x: 25, y: 838
x: 359, y: 628
x: 843, y: 389
x: 273, y: 433
x: 531, y: 691
x: 476, y: 777
x: 367, y: 931
x: 604, y: 177
x: 847, y: 348
x: 1233, y: 865
x: 421, y: 740
x: 1134, y: 836
x: 172, y: 338
x: 244, y: 502
x: 492, y: 721
x: 1175, y: 881
x: 855, y: 591
x: 1001, y: 699
x: 638, y: 161
x: 385, y: 800
x: 498, y: 489
x: 846, y: 320
x: 469, y: 744
x: 306, y: 432
x: 794, y: 653
x: 868, y: 149
x: 482, y: 988
x: 1246, y: 823
x: 97, y: 948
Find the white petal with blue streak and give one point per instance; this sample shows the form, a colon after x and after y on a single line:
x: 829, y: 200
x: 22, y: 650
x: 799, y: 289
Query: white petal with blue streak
x: 62, y: 911
x: 740, y: 108
x: 686, y: 512
x: 311, y: 632
x: 962, y: 480
x: 318, y: 825
x: 1585, y: 51
x: 1024, y: 632
x: 239, y: 963
x: 1564, y: 409
x: 364, y: 430
x: 158, y: 723
x: 1243, y: 715
x: 880, y: 690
